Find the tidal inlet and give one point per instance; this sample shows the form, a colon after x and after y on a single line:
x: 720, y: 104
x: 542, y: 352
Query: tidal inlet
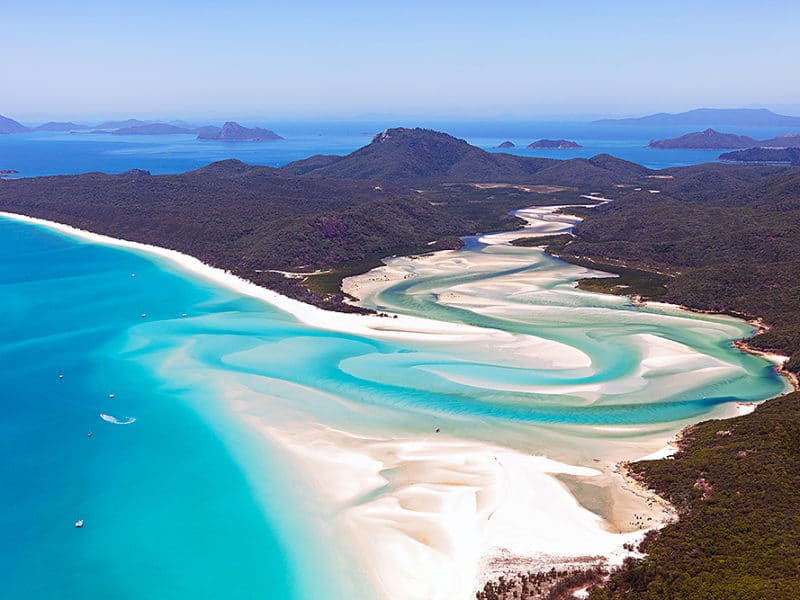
x: 473, y: 427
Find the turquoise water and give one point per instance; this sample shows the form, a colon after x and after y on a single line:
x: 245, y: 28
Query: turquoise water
x: 193, y: 499
x: 169, y: 511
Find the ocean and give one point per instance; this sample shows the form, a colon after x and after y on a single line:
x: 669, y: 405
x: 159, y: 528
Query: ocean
x: 189, y: 425
x: 44, y: 153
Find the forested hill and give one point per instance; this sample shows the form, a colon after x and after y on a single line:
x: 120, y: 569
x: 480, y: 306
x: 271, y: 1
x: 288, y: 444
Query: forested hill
x: 727, y: 238
x: 421, y: 156
x: 250, y: 220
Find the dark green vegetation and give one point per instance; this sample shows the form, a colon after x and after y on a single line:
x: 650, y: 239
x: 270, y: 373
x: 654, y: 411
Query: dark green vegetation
x: 422, y: 157
x: 252, y: 220
x: 626, y: 280
x: 554, y: 584
x: 553, y: 242
x: 789, y: 156
x: 720, y: 238
x: 255, y: 220
x: 736, y: 484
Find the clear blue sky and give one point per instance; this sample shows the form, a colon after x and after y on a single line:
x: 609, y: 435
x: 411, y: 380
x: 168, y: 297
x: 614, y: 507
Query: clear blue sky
x: 282, y: 60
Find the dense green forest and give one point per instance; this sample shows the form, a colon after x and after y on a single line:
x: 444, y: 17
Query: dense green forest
x: 716, y: 238
x: 251, y: 220
x: 736, y: 484
x: 420, y: 156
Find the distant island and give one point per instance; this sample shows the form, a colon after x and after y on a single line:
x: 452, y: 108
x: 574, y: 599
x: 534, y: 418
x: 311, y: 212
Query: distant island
x: 708, y: 117
x: 233, y: 132
x: 109, y: 125
x: 61, y: 126
x: 555, y: 144
x: 152, y: 129
x: 710, y: 139
x: 506, y: 145
x: 6, y: 172
x: 229, y: 132
x: 11, y: 126
x: 778, y: 156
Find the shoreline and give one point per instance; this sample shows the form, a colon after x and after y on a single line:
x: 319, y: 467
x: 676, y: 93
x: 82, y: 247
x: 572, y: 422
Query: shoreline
x: 500, y: 465
x: 399, y: 327
x: 742, y: 345
x: 363, y: 286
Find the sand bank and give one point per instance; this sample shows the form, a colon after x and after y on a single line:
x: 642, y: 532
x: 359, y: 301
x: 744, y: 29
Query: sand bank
x: 436, y: 517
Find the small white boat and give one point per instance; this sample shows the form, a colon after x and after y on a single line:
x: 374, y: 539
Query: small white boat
x: 111, y: 395
x: 133, y: 274
x: 79, y: 523
x: 61, y: 376
x: 183, y: 314
x: 144, y: 315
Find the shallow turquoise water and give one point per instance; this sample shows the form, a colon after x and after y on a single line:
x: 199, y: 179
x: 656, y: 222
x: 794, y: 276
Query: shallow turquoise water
x: 169, y: 512
x: 191, y: 500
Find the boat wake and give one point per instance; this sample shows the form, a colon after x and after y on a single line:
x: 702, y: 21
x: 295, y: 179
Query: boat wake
x: 117, y: 421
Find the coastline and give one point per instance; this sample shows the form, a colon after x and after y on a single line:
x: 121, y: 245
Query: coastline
x: 399, y: 327
x: 390, y: 453
x: 513, y: 565
x: 487, y: 534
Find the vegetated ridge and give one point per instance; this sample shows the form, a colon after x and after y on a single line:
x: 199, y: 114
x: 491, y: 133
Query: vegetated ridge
x: 789, y: 156
x: 421, y: 156
x: 718, y: 237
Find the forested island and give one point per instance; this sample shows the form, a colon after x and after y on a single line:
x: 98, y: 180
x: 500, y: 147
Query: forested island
x: 554, y: 144
x: 711, y: 139
x: 715, y: 237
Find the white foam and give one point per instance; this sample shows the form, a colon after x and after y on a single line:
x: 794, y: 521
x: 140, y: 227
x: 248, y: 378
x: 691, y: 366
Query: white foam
x: 117, y: 420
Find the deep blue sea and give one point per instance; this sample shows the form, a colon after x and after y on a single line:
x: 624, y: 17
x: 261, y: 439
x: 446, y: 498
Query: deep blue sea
x: 184, y: 492
x: 57, y: 153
